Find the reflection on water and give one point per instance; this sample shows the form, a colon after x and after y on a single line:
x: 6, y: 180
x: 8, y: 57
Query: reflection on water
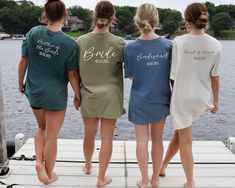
x: 19, y: 118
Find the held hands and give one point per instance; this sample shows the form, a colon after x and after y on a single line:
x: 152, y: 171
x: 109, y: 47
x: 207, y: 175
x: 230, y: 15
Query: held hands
x: 77, y: 102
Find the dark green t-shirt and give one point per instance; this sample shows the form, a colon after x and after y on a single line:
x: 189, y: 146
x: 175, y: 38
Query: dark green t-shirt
x: 100, y: 68
x: 50, y: 56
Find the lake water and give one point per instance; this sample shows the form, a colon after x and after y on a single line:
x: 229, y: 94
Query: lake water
x: 19, y: 118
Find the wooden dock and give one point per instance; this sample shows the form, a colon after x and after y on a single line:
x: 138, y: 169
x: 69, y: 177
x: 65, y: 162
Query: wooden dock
x: 214, y: 166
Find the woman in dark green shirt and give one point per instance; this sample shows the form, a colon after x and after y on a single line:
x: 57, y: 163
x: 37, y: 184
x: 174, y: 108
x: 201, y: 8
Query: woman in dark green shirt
x: 50, y: 58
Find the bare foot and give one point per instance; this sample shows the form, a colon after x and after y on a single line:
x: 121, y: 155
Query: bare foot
x: 107, y: 180
x: 162, y: 171
x: 155, y: 183
x: 41, y: 173
x: 54, y: 177
x: 140, y: 184
x: 87, y: 169
x: 186, y: 185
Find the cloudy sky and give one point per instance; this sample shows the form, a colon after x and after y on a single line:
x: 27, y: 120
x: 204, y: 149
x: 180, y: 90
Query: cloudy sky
x: 173, y: 4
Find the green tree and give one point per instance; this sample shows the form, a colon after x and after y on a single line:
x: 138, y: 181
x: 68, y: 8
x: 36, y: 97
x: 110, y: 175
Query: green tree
x: 220, y: 22
x: 125, y: 20
x: 211, y: 9
x: 20, y: 18
x: 25, y: 3
x: 7, y: 3
x: 169, y: 27
x: 231, y: 10
x: 83, y: 14
x: 222, y: 8
x: 170, y: 20
x: 8, y: 20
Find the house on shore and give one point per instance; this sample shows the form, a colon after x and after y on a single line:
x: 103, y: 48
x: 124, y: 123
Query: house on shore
x: 74, y: 24
x: 182, y: 27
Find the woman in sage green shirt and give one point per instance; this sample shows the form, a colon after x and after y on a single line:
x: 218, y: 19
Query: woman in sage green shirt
x: 100, y: 69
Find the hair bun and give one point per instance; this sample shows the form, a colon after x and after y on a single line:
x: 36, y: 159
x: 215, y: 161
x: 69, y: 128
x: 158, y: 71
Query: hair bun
x: 145, y: 26
x: 204, y: 17
x: 49, y: 1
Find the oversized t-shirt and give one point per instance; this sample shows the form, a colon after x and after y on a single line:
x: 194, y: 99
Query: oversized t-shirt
x: 50, y: 56
x: 101, y: 72
x: 195, y: 59
x: 148, y: 62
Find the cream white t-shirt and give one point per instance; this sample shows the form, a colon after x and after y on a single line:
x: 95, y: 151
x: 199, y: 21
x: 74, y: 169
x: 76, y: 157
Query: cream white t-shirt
x: 195, y: 58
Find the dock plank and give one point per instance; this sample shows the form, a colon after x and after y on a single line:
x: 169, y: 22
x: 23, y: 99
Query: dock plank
x: 214, y: 168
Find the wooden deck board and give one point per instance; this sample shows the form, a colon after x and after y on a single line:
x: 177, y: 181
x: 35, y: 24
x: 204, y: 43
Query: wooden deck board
x: 214, y: 168
x: 204, y: 152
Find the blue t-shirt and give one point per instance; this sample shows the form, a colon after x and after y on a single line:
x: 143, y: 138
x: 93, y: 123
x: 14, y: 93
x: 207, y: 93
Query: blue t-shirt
x: 148, y: 62
x: 50, y: 56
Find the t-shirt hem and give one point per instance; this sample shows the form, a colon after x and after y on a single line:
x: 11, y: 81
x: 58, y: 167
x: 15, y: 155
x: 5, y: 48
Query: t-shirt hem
x: 148, y: 122
x: 49, y: 108
x: 215, y: 75
x: 102, y: 116
x: 62, y: 107
x: 183, y: 127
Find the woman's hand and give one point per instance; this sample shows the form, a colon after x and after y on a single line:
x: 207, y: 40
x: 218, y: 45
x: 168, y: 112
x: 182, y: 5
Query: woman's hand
x: 21, y: 88
x: 77, y: 102
x: 216, y: 107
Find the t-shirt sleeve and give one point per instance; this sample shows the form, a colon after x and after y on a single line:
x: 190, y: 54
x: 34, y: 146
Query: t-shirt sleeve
x: 216, y: 66
x: 128, y: 67
x: 173, y: 61
x: 72, y: 63
x: 121, y: 47
x: 24, y: 47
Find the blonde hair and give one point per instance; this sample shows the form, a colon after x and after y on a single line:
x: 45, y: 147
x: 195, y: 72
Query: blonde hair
x: 146, y: 17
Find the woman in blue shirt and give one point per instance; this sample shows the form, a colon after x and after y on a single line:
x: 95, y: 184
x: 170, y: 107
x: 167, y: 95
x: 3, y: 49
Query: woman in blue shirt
x: 147, y: 63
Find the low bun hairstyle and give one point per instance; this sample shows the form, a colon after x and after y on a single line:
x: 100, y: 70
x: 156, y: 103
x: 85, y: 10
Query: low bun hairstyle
x: 197, y: 14
x: 103, y: 14
x: 54, y: 10
x: 146, y: 17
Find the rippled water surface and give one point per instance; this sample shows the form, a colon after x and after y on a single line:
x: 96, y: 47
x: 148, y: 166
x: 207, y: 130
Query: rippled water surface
x: 19, y: 118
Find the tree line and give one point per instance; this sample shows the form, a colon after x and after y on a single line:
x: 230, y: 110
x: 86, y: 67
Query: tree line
x: 21, y: 16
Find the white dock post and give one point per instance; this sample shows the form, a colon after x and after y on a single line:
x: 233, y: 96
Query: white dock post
x: 231, y: 144
x: 4, y: 169
x: 19, y: 141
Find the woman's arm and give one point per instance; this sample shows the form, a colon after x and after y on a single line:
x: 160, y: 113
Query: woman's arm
x: 131, y: 78
x: 215, y: 92
x: 21, y: 73
x: 74, y: 80
x: 172, y: 83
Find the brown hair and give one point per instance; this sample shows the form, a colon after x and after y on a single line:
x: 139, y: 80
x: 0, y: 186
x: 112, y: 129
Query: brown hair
x: 103, y: 14
x: 54, y: 10
x: 146, y: 17
x: 197, y: 14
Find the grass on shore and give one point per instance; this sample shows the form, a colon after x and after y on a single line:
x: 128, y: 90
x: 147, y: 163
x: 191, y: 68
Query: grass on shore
x: 76, y: 34
x: 227, y: 35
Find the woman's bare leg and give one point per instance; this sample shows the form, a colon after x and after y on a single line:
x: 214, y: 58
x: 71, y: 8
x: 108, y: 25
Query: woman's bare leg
x: 39, y: 144
x: 157, y: 150
x: 142, y: 155
x: 173, y: 148
x: 91, y: 126
x: 185, y: 143
x: 54, y: 122
x: 107, y: 132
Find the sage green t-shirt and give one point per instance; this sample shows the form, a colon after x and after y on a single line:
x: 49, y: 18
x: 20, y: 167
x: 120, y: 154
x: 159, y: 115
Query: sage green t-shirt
x: 101, y: 71
x: 50, y: 56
